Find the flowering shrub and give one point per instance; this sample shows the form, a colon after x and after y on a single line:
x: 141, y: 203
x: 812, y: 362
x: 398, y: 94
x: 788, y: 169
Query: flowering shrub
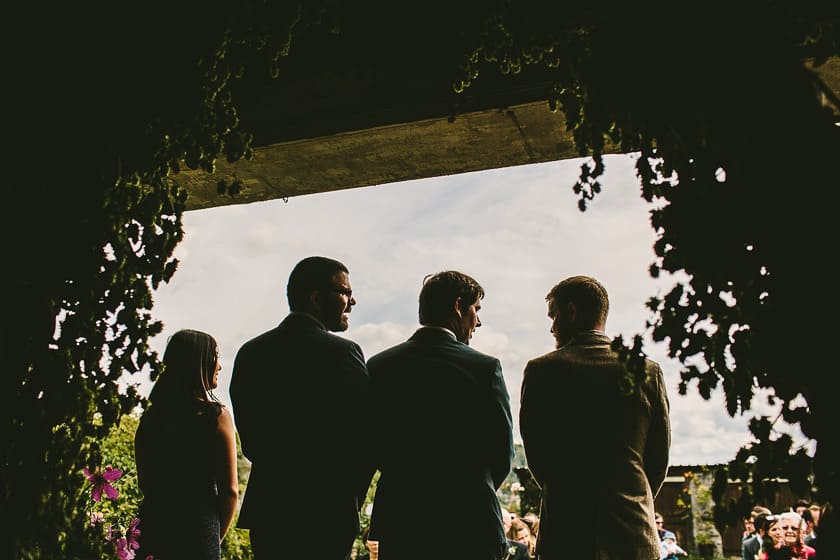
x: 123, y: 536
x: 101, y: 481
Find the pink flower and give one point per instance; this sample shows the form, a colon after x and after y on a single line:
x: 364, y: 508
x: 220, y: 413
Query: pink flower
x: 101, y: 482
x: 132, y: 533
x: 96, y: 517
x: 124, y: 552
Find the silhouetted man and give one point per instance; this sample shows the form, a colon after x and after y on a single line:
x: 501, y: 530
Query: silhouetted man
x: 299, y: 395
x: 610, y: 468
x: 441, y: 428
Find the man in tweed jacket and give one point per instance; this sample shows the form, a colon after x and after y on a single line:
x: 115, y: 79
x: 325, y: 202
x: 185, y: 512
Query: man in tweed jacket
x: 589, y: 443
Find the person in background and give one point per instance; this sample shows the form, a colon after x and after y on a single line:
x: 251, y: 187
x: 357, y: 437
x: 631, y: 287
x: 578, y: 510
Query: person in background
x: 299, y: 395
x: 792, y: 544
x: 186, y: 430
x: 772, y: 541
x: 801, y: 505
x: 440, y: 419
x: 532, y: 520
x: 749, y: 527
x: 521, y: 533
x: 811, y: 517
x: 660, y: 524
x: 615, y: 467
x: 371, y: 546
x: 669, y: 549
x: 515, y: 549
x: 751, y: 545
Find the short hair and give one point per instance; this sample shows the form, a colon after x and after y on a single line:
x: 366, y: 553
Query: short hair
x: 588, y: 295
x: 309, y: 275
x: 517, y: 525
x: 189, y: 363
x: 441, y: 290
x: 760, y: 509
x: 795, y: 517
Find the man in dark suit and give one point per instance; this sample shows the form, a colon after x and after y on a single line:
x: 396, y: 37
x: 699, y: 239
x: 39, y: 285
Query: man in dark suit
x: 751, y: 546
x: 612, y: 467
x: 299, y: 394
x: 442, y: 431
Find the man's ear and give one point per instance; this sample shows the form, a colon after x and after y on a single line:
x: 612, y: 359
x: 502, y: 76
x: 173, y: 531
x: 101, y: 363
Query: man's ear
x: 571, y: 312
x: 315, y: 300
x: 457, y: 305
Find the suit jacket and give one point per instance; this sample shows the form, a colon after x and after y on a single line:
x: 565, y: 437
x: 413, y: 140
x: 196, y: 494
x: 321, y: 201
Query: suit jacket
x: 300, y: 396
x: 589, y: 445
x: 516, y: 551
x: 443, y: 440
x: 750, y: 547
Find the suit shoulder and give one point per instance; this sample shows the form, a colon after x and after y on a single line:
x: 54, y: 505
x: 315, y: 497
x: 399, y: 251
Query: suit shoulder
x: 544, y: 360
x: 271, y: 340
x: 652, y: 366
x: 325, y: 342
x: 388, y: 353
x: 257, y: 341
x: 480, y: 356
x: 340, y: 340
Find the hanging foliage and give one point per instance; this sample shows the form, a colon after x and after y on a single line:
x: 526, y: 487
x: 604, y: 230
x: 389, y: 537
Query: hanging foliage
x: 104, y: 108
x: 736, y: 134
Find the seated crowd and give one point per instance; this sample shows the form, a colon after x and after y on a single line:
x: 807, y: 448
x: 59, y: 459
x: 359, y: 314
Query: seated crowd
x: 789, y: 535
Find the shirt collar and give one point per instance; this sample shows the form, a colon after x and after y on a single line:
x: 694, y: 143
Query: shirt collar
x: 309, y: 316
x: 436, y: 328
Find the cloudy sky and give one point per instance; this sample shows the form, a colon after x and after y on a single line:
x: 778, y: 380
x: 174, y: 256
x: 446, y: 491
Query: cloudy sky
x: 516, y: 230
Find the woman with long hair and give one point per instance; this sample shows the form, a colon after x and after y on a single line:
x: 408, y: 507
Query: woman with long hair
x: 185, y: 453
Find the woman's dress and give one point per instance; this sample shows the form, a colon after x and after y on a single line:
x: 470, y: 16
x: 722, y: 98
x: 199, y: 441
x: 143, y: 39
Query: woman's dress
x: 176, y: 459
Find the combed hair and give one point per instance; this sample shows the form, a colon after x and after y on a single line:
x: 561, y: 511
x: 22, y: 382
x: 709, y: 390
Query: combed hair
x: 588, y: 295
x: 441, y: 290
x: 309, y: 275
